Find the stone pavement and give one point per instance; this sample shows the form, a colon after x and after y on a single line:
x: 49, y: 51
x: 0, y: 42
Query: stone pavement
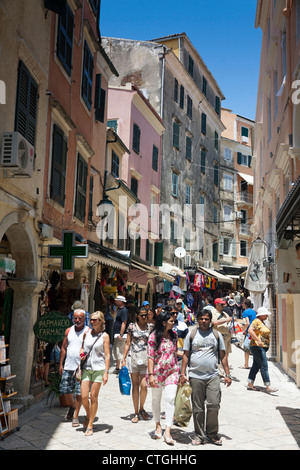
x: 248, y: 421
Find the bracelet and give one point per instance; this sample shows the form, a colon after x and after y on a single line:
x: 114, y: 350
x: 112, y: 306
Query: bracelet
x: 106, y: 371
x: 150, y: 373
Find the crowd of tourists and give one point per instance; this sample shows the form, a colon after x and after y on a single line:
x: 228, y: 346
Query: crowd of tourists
x: 163, y: 349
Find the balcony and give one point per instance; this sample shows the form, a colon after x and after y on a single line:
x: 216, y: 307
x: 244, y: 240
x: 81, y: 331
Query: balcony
x: 245, y: 230
x: 244, y: 198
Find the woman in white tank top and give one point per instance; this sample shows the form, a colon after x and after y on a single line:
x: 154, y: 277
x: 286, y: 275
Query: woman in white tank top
x: 95, y: 369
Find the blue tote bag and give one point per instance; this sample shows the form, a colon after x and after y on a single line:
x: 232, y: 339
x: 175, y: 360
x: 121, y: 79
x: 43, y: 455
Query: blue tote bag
x: 124, y: 381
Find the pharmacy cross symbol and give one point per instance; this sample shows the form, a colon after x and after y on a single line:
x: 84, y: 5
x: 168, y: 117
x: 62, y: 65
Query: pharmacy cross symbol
x: 68, y: 251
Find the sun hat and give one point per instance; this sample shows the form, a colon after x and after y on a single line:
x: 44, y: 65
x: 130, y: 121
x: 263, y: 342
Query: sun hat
x: 121, y: 298
x: 220, y: 301
x: 76, y: 305
x: 178, y: 301
x: 263, y: 311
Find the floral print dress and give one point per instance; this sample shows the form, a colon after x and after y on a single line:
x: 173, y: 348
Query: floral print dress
x: 166, y: 367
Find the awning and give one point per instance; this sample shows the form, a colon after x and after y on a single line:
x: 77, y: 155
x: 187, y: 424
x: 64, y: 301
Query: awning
x: 108, y: 257
x: 215, y: 274
x: 171, y: 270
x: 248, y: 178
x: 151, y: 271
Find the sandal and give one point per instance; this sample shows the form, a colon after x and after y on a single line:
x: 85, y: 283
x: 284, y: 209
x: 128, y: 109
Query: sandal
x: 144, y: 414
x: 135, y: 419
x: 196, y: 442
x: 75, y: 422
x: 89, y: 432
x: 252, y: 388
x: 271, y: 390
x: 169, y: 440
x: 216, y: 442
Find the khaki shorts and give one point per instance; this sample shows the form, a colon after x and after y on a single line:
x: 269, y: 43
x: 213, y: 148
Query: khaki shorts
x: 227, y: 342
x: 118, y: 348
x: 92, y: 375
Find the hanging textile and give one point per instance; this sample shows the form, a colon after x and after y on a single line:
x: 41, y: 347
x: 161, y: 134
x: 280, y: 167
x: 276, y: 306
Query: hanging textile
x: 256, y: 275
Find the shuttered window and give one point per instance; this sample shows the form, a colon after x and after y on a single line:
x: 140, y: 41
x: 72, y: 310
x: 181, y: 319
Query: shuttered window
x: 155, y: 158
x: 136, y: 138
x: 203, y: 123
x: 65, y: 38
x: 87, y: 76
x: 188, y: 148
x: 59, y: 161
x: 203, y: 161
x: 81, y: 186
x: 100, y: 99
x: 176, y: 130
x: 26, y: 104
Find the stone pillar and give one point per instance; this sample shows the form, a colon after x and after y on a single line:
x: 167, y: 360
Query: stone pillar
x: 21, y: 347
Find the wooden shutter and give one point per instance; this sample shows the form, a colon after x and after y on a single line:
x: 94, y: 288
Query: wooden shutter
x: 26, y: 104
x: 136, y: 138
x: 58, y: 172
x: 181, y: 102
x: 100, y: 99
x: 203, y: 161
x: 239, y: 158
x: 65, y: 38
x: 176, y: 129
x: 249, y: 160
x: 87, y: 76
x: 158, y: 253
x: 81, y: 186
x: 203, y: 123
x: 188, y: 152
x: 216, y: 175
x: 155, y: 158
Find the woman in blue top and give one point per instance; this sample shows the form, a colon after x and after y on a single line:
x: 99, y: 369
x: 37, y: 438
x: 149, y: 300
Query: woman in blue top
x: 248, y: 315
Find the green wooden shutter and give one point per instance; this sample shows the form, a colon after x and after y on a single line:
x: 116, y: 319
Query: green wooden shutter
x: 203, y: 123
x: 239, y: 158
x: 81, y: 186
x: 249, y: 160
x: 158, y: 253
x: 100, y: 99
x: 58, y: 172
x: 176, y: 130
x: 203, y: 161
x: 181, y: 102
x: 188, y: 151
x: 26, y: 104
x: 216, y: 175
x: 136, y: 138
x: 155, y: 158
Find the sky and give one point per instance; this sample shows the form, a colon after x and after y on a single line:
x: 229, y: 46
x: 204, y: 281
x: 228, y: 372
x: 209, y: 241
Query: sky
x: 222, y: 31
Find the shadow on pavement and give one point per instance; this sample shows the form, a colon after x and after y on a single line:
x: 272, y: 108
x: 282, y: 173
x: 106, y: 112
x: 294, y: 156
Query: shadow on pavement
x: 291, y: 417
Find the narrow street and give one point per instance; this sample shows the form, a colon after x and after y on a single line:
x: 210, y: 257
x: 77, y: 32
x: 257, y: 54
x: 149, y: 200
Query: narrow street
x: 248, y: 421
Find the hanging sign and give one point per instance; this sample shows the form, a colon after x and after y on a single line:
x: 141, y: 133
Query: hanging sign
x: 51, y: 327
x: 68, y: 251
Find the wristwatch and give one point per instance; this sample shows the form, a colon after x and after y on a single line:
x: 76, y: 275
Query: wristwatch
x: 228, y: 376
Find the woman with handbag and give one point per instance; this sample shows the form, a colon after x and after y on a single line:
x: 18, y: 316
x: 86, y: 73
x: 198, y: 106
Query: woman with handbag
x: 163, y: 371
x: 95, y: 353
x: 136, y: 344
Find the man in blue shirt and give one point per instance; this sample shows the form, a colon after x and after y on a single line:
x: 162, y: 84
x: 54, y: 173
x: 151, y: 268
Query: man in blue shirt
x: 248, y: 316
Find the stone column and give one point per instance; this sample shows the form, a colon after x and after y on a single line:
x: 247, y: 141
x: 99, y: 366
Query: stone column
x: 21, y: 348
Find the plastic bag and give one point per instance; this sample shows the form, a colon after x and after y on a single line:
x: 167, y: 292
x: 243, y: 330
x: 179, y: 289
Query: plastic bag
x: 183, y: 407
x: 124, y: 381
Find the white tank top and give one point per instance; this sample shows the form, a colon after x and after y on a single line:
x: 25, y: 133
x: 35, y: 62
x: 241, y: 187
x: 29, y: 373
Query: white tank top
x: 72, y: 360
x: 96, y: 360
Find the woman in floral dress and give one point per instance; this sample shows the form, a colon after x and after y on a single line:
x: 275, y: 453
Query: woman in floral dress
x: 136, y: 346
x: 163, y: 372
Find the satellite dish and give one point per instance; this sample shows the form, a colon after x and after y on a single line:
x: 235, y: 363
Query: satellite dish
x: 180, y: 252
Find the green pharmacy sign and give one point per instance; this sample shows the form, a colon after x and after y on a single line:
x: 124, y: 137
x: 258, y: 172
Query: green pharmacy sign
x: 51, y: 327
x: 68, y: 251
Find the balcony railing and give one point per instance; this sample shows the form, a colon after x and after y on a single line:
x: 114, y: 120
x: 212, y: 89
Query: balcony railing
x: 245, y: 197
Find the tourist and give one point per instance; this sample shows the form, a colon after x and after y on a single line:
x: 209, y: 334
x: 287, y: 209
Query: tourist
x: 202, y: 348
x: 138, y: 333
x: 120, y: 326
x: 163, y: 372
x: 95, y: 368
x: 69, y: 360
x: 259, y: 345
x: 78, y: 305
x: 221, y: 321
x: 248, y: 316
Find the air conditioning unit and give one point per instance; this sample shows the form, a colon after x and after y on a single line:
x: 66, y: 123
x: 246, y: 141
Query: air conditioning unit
x: 239, y: 215
x: 17, y: 154
x: 207, y: 264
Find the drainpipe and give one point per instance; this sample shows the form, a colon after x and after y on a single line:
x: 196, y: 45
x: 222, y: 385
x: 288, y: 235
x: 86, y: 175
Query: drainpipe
x: 162, y: 83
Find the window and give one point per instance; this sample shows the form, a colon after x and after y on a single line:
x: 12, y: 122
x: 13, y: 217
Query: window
x: 202, y: 205
x: 100, y: 98
x: 81, y: 185
x: 115, y: 165
x: 136, y: 138
x: 188, y: 192
x: 176, y: 90
x: 191, y: 66
x: 65, y: 38
x: 203, y: 161
x: 204, y: 86
x: 215, y: 252
x: 181, y: 102
x: 244, y: 159
x: 227, y: 155
x: 172, y: 231
x: 149, y: 251
x: 176, y: 130
x: 216, y: 175
x: 227, y: 210
x: 228, y: 181
x: 188, y: 148
x: 226, y: 246
x: 189, y: 108
x: 203, y: 123
x: 91, y: 190
x: 174, y: 184
x: 87, y: 76
x: 134, y: 185
x: 216, y: 140
x: 243, y: 248
x: 59, y: 162
x: 218, y: 105
x: 26, y: 104
x: 155, y: 158
x: 138, y: 245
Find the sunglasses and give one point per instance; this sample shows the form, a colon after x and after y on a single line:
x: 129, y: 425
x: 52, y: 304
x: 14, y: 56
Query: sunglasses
x: 143, y: 316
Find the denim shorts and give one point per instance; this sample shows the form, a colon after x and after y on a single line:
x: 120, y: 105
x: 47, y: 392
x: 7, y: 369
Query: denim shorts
x: 69, y: 384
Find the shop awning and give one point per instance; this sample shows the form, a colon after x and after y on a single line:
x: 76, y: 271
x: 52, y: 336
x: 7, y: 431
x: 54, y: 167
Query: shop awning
x: 288, y: 217
x: 220, y: 277
x: 171, y: 270
x: 108, y: 257
x: 151, y: 271
x: 248, y: 178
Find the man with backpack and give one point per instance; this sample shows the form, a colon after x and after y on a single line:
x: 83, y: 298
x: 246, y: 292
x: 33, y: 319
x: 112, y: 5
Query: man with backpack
x: 203, y: 348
